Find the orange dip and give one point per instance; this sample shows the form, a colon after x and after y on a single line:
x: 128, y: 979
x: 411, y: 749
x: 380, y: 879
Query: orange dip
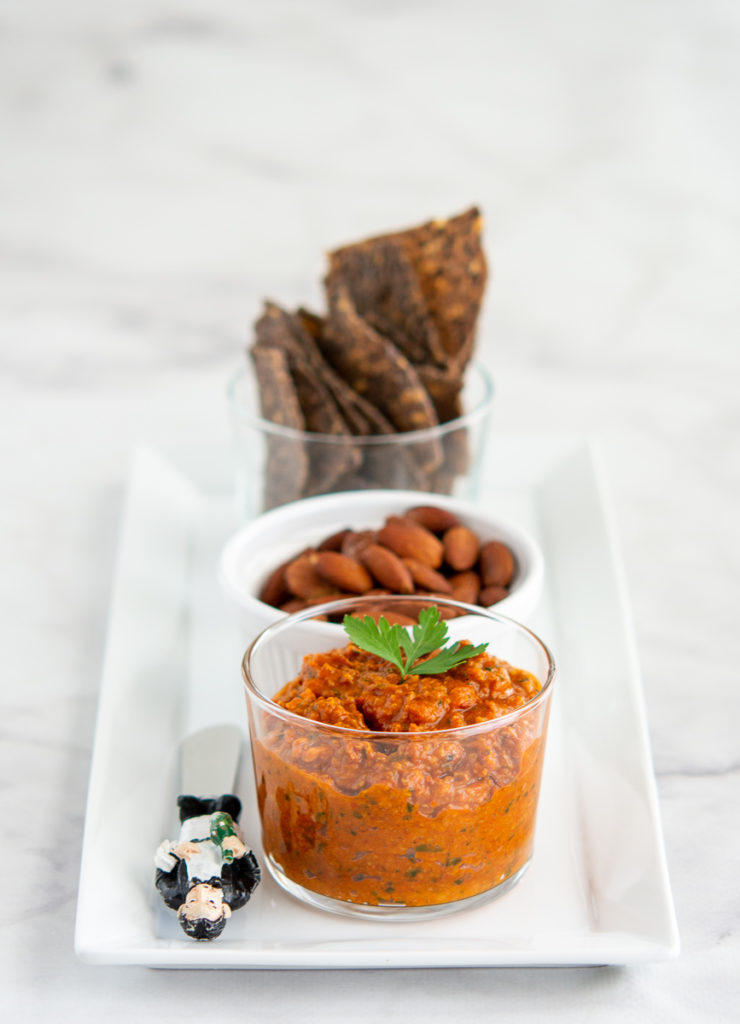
x: 401, y: 810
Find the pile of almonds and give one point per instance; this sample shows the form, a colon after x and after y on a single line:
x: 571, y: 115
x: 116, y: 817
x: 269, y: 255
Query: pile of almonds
x: 427, y: 551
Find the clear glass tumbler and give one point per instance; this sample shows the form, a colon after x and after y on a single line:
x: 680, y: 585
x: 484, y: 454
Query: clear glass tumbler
x: 276, y: 464
x: 395, y: 824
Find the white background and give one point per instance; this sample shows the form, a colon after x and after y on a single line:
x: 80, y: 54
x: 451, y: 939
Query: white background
x: 164, y: 165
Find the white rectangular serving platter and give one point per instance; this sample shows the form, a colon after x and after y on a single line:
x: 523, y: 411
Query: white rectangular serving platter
x: 597, y: 891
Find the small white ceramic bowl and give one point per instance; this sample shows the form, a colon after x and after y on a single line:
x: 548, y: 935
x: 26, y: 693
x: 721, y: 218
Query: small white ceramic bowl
x: 258, y: 548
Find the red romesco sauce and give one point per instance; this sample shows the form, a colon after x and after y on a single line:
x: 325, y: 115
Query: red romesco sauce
x: 427, y: 817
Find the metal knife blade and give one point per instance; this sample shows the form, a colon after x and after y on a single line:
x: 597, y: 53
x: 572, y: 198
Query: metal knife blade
x: 209, y: 760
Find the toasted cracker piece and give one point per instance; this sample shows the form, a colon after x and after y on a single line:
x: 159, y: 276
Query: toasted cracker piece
x: 278, y: 398
x: 362, y: 416
x: 276, y: 329
x: 295, y: 335
x: 451, y: 265
x: 328, y: 460
x: 449, y: 261
x: 388, y: 465
x: 312, y: 323
x: 444, y: 387
x: 286, y: 470
x: 385, y: 289
x: 383, y: 464
x: 373, y: 366
x: 455, y: 462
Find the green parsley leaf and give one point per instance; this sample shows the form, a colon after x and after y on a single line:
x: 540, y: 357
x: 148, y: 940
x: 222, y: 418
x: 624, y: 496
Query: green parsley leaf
x: 408, y: 652
x: 378, y: 638
x: 447, y: 659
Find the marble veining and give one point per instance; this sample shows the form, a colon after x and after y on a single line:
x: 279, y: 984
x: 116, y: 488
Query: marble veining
x: 164, y: 166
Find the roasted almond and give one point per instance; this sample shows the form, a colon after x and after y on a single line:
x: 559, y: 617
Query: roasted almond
x: 356, y: 540
x: 410, y: 540
x: 335, y: 595
x: 335, y: 541
x: 427, y: 578
x: 492, y: 595
x: 387, y: 568
x: 496, y: 564
x: 297, y: 604
x: 410, y: 608
x: 465, y: 586
x: 274, y: 590
x: 303, y: 579
x: 398, y: 618
x: 435, y: 519
x: 461, y: 548
x: 446, y: 611
x: 344, y: 572
x: 394, y: 617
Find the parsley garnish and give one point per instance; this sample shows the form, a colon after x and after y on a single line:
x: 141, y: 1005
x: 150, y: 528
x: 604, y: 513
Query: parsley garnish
x: 395, y: 645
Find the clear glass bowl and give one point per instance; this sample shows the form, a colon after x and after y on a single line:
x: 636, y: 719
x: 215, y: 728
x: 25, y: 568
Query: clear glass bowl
x: 276, y: 464
x: 395, y: 825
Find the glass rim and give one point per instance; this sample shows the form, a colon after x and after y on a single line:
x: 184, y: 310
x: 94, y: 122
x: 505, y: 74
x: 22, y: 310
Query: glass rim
x: 360, y: 440
x: 267, y: 704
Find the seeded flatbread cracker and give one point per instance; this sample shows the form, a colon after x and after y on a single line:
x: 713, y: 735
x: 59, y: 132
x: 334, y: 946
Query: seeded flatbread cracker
x: 388, y: 358
x: 312, y: 323
x: 456, y: 460
x: 385, y: 290
x: 296, y: 334
x: 373, y: 366
x: 278, y: 398
x: 286, y: 468
x: 362, y: 416
x: 384, y: 467
x: 328, y: 460
x: 444, y: 387
x: 276, y: 329
x: 451, y: 267
x: 317, y: 384
x: 331, y: 454
x: 384, y: 464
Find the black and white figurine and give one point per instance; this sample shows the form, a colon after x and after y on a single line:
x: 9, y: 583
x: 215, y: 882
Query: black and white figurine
x: 209, y: 871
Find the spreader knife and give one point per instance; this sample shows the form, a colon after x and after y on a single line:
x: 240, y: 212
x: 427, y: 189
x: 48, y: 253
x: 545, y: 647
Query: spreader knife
x: 208, y: 871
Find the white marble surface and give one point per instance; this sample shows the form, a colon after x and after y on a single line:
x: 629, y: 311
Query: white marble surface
x: 166, y: 163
